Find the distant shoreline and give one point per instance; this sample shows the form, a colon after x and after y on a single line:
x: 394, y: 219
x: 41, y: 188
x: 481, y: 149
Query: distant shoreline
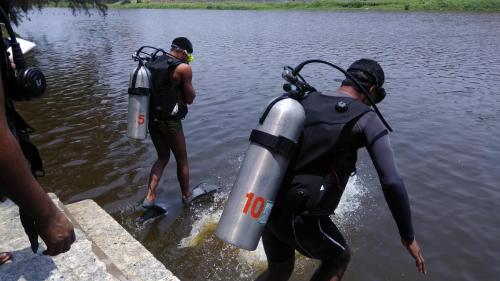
x: 336, y: 5
x: 474, y: 6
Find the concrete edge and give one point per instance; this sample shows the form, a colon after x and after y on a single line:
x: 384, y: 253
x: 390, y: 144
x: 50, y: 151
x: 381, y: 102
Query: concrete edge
x: 125, y: 258
x: 111, y: 268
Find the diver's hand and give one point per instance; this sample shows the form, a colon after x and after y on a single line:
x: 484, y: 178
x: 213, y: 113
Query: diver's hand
x: 57, y: 232
x: 416, y: 253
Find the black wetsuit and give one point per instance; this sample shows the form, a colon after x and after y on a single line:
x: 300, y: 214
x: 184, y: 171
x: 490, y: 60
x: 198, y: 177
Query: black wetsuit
x: 316, y: 236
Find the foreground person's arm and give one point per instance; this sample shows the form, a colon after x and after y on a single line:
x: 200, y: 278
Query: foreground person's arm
x: 17, y: 183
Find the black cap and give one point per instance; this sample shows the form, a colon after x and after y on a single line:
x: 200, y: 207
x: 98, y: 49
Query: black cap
x: 183, y: 43
x: 367, y: 71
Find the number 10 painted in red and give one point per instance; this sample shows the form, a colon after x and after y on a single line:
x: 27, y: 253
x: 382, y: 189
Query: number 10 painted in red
x: 257, y: 205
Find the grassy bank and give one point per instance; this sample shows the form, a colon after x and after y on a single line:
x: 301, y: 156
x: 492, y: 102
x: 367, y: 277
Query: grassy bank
x: 381, y: 5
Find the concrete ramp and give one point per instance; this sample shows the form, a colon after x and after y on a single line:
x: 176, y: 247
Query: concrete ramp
x: 103, y: 250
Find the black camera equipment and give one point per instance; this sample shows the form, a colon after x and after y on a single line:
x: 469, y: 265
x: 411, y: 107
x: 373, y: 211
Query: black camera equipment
x: 23, y: 83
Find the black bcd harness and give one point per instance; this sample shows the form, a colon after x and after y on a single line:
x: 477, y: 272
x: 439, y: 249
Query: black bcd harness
x: 165, y: 93
x: 325, y: 159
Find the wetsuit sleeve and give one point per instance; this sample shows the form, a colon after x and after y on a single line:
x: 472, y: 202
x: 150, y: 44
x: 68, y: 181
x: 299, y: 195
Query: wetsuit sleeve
x: 378, y: 144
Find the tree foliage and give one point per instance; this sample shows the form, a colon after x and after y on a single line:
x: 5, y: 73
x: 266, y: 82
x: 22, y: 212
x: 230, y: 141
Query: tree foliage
x: 18, y: 8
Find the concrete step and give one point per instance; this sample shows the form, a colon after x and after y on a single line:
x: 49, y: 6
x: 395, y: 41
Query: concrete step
x: 103, y: 250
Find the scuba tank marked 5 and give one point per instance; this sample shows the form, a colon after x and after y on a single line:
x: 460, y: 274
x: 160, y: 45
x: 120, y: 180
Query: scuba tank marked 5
x: 139, y: 90
x: 138, y: 102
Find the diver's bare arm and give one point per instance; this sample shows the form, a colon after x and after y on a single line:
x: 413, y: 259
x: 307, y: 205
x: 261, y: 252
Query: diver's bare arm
x: 187, y: 87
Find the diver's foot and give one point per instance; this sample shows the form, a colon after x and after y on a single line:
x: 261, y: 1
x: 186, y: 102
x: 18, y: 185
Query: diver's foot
x: 186, y: 199
x: 5, y: 257
x: 146, y: 204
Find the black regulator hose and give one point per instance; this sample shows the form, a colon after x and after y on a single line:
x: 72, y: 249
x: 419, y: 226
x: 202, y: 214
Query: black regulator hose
x: 299, y: 67
x: 151, y: 56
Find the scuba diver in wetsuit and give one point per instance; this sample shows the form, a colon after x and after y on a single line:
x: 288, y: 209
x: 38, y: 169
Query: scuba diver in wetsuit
x: 172, y: 91
x: 337, y: 125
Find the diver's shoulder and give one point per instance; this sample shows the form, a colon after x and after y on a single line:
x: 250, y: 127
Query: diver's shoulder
x: 184, y: 67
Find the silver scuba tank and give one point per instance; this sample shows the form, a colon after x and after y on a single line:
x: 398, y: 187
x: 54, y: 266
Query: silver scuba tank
x: 252, y: 197
x: 139, y: 89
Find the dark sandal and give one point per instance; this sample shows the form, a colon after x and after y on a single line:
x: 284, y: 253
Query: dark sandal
x: 5, y: 257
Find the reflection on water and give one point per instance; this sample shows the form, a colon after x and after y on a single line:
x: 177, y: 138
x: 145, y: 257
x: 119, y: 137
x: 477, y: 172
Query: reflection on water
x: 443, y: 75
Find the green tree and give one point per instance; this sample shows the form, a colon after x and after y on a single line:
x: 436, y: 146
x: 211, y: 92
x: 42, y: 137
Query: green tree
x: 17, y: 9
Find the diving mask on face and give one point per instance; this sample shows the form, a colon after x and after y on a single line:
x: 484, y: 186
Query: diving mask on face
x: 189, y: 57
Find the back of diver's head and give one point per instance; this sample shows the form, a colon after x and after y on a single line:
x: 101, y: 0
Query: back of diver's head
x: 367, y: 72
x: 182, y: 43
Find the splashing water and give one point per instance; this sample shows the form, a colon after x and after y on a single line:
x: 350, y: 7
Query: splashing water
x: 251, y: 261
x: 202, y: 228
x: 351, y: 200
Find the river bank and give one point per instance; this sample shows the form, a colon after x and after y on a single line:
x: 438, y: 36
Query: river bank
x: 356, y: 5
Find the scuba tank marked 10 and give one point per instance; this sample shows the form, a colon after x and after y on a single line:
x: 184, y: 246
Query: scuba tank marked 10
x: 139, y: 90
x: 272, y: 145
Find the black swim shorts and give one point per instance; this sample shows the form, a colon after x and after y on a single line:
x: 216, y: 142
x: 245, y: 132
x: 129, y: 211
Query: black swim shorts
x: 313, y: 236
